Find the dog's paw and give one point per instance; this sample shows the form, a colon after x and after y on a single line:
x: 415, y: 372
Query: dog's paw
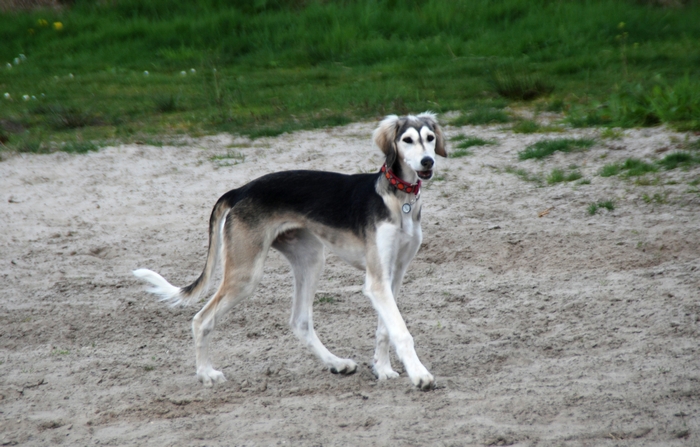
x: 209, y: 376
x: 384, y: 373
x: 344, y: 367
x: 424, y: 381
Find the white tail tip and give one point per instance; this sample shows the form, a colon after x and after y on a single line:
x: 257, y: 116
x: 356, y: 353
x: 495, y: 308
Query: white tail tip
x: 161, y: 287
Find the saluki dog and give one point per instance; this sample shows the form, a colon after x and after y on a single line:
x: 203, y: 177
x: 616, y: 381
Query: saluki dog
x: 372, y: 221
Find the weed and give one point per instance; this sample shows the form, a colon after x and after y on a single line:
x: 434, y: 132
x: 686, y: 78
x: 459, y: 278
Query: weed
x: 608, y: 205
x: 679, y: 159
x: 609, y: 170
x: 166, y: 103
x: 584, y: 181
x: 646, y: 181
x: 523, y: 174
x: 558, y: 176
x: 611, y: 133
x: 223, y: 160
x: 555, y: 106
x: 33, y: 146
x: 635, y: 167
x: 325, y: 299
x: 526, y: 126
x: 149, y: 368
x: 458, y: 153
x: 464, y: 142
x: 481, y: 116
x: 632, y: 167
x: 57, y: 351
x: 632, y: 105
x: 518, y: 83
x: 594, y: 207
x: 545, y: 148
x: 656, y: 198
x: 79, y: 147
x: 65, y: 118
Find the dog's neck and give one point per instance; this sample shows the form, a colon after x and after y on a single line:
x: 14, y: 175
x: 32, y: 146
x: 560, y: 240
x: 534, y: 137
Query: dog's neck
x: 399, y: 183
x: 403, y: 171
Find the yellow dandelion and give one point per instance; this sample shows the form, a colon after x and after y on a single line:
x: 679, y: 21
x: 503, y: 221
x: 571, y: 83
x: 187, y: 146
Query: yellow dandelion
x: 42, y: 23
x: 58, y: 26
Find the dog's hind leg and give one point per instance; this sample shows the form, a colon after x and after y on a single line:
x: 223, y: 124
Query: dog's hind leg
x: 244, y: 257
x: 304, y: 251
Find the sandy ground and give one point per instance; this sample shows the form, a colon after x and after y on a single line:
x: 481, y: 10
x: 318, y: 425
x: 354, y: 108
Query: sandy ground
x: 566, y: 329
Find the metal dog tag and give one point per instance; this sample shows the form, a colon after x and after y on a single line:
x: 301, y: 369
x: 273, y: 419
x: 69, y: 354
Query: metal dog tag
x: 406, y: 208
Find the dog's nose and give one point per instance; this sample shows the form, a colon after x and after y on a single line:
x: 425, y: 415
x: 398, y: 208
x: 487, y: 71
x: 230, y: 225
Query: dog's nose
x: 427, y: 162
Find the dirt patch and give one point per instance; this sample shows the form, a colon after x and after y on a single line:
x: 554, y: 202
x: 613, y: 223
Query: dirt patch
x: 543, y: 324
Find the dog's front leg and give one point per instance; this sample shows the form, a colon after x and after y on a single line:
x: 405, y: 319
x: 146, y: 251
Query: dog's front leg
x: 382, y: 363
x: 381, y: 266
x: 383, y: 300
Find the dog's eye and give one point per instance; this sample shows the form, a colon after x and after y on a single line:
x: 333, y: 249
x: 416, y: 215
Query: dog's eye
x: 408, y: 140
x: 430, y: 138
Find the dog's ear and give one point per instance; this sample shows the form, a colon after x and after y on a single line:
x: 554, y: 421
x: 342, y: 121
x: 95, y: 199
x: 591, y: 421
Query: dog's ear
x: 385, y: 136
x: 431, y: 119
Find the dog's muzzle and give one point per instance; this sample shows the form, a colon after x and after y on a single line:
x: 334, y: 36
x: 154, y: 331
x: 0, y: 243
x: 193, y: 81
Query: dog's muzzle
x: 427, y: 164
x: 425, y: 174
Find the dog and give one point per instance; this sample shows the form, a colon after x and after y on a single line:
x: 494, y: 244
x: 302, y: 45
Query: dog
x: 372, y: 221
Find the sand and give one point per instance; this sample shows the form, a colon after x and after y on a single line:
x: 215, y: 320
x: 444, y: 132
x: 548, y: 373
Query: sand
x: 543, y: 324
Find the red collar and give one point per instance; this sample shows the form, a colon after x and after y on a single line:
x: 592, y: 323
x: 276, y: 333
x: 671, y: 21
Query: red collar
x: 400, y: 184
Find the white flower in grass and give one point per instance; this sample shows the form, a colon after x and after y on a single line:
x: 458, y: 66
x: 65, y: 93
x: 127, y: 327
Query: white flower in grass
x: 33, y: 98
x: 25, y: 97
x: 193, y: 71
x: 9, y: 66
x: 183, y: 73
x: 70, y: 75
x: 145, y: 73
x: 7, y: 96
x: 16, y: 61
x: 22, y: 57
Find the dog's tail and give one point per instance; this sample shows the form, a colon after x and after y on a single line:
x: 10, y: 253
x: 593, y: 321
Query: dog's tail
x: 184, y: 296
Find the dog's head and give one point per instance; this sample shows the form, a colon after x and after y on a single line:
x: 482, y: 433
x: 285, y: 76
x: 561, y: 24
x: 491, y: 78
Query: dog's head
x: 414, y: 139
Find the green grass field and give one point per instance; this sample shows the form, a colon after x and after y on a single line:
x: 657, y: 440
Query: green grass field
x: 125, y: 70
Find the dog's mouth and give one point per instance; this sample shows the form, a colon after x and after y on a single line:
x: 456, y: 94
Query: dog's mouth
x: 425, y: 175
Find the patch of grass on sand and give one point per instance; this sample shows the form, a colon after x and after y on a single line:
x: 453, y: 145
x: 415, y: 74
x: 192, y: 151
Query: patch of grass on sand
x: 545, y: 148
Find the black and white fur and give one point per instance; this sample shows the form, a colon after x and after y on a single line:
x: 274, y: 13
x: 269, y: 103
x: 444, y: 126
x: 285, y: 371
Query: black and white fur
x: 302, y: 213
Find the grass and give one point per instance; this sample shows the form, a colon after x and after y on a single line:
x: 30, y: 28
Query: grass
x: 545, y: 148
x: 113, y: 71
